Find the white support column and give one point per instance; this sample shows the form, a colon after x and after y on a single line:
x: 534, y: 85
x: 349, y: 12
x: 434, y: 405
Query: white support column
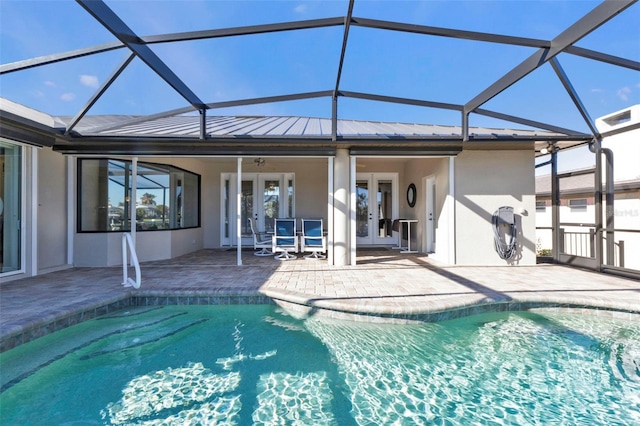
x: 330, y: 207
x: 239, y: 212
x: 352, y: 211
x: 133, y: 202
x: 452, y: 211
x: 341, y: 208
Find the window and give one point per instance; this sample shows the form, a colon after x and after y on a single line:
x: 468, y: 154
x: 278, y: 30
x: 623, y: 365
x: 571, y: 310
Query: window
x: 541, y: 206
x: 166, y: 197
x: 623, y: 117
x: 578, y: 205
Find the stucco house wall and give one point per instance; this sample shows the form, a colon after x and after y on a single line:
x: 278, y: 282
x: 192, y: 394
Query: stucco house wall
x: 416, y: 171
x: 485, y: 181
x: 52, y: 211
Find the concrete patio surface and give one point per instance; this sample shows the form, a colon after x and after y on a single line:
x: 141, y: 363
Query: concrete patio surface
x: 385, y: 285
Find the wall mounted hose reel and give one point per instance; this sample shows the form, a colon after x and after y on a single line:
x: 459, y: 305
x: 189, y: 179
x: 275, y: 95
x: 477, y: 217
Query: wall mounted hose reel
x: 505, y: 232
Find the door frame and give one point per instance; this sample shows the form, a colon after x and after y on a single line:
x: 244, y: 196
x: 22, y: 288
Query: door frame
x: 258, y: 180
x: 430, y: 192
x: 372, y: 179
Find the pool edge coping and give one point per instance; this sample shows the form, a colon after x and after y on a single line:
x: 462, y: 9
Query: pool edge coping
x: 301, y: 305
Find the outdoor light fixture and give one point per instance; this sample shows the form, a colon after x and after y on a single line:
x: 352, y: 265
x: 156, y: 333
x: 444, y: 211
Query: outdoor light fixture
x: 548, y: 149
x: 259, y: 162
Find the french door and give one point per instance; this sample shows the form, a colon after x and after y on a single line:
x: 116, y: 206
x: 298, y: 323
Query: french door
x: 264, y: 197
x: 376, y: 207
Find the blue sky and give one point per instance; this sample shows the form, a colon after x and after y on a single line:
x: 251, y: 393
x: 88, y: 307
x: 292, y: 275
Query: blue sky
x: 378, y: 62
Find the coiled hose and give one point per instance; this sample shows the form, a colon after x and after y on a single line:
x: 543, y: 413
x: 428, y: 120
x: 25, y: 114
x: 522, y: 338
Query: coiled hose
x: 505, y: 250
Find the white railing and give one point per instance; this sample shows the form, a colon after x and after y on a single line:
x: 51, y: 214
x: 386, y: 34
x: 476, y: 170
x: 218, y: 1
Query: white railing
x: 126, y: 280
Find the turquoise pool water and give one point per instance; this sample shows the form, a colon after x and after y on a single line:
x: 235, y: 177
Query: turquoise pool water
x: 254, y: 365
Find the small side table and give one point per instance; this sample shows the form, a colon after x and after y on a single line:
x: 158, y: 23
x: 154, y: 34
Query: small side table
x: 406, y: 249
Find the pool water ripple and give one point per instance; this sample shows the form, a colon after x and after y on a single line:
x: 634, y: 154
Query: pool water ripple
x: 514, y: 369
x: 255, y: 365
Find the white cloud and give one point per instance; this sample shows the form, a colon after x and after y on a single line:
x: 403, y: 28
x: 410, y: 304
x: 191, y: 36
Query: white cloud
x: 301, y: 8
x: 89, y: 81
x: 624, y: 93
x: 49, y: 83
x: 67, y: 97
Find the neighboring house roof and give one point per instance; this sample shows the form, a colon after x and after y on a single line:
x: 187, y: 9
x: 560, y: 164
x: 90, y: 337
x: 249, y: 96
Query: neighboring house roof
x: 580, y: 184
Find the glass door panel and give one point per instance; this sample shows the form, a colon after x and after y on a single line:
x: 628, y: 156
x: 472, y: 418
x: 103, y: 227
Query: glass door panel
x: 246, y: 207
x: 363, y: 216
x: 384, y: 211
x: 270, y: 203
x: 10, y: 208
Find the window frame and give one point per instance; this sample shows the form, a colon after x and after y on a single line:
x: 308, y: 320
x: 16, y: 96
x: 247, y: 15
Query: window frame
x: 171, y: 167
x: 578, y: 204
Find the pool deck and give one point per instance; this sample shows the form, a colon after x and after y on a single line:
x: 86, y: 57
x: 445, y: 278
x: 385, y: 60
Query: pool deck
x: 385, y: 285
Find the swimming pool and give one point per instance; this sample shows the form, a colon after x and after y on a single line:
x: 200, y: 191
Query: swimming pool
x: 253, y: 364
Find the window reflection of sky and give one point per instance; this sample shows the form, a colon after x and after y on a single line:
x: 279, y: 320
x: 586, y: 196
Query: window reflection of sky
x: 154, y: 181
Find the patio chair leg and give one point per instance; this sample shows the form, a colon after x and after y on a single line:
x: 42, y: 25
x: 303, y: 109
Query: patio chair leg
x: 315, y: 256
x: 285, y: 255
x: 263, y: 252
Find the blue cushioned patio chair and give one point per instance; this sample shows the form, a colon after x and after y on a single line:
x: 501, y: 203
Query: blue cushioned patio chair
x: 313, y: 240
x: 261, y: 241
x: 285, y: 239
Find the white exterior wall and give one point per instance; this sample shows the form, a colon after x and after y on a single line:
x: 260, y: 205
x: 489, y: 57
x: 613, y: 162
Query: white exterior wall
x: 52, y: 211
x: 485, y: 181
x: 445, y: 212
x: 626, y: 145
x: 414, y: 172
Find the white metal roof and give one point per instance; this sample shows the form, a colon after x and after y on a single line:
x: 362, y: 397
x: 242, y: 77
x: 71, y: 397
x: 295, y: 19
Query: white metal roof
x: 288, y: 126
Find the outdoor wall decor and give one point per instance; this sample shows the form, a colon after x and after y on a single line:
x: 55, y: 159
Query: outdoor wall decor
x: 411, y: 195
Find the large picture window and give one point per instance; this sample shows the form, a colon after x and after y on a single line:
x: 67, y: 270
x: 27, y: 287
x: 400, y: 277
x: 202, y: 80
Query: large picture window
x: 166, y: 197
